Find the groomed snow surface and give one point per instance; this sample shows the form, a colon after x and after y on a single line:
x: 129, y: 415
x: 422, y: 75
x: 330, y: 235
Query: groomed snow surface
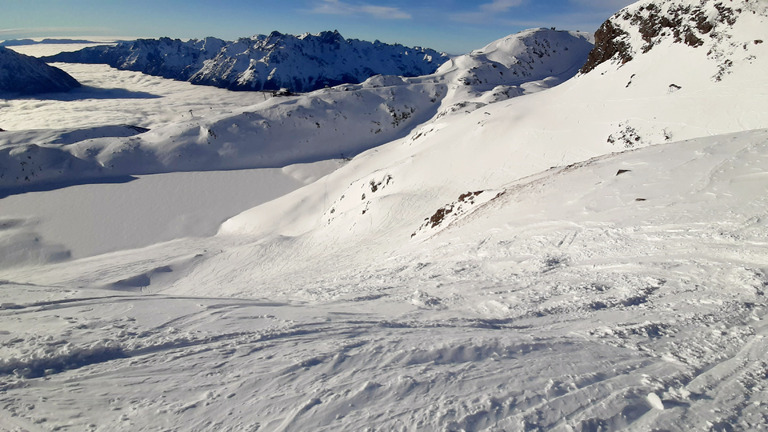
x: 591, y: 257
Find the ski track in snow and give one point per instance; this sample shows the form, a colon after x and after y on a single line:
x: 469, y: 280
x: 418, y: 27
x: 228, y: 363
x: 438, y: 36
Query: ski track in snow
x: 508, y: 325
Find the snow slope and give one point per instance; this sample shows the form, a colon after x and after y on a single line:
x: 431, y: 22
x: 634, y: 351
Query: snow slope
x: 564, y: 304
x: 329, y: 123
x: 614, y: 107
x: 590, y: 257
x: 20, y: 74
x: 264, y: 62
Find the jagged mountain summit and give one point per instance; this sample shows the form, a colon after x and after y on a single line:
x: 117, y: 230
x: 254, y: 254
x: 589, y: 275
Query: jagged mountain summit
x: 264, y: 62
x: 329, y: 123
x: 27, y: 75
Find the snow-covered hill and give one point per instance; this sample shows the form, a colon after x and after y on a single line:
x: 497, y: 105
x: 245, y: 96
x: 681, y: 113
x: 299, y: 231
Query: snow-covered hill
x: 20, y: 74
x: 325, y: 124
x: 264, y: 62
x: 663, y: 95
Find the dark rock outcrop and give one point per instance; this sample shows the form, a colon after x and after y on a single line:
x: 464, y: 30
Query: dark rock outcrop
x: 610, y: 42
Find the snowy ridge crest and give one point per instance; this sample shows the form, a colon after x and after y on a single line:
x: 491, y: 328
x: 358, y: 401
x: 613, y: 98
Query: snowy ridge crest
x: 524, y: 55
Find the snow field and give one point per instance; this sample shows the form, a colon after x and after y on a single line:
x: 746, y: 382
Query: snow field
x: 502, y: 318
x: 91, y: 219
x: 252, y: 133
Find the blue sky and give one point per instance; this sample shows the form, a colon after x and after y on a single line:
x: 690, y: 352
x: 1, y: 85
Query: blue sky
x: 454, y: 26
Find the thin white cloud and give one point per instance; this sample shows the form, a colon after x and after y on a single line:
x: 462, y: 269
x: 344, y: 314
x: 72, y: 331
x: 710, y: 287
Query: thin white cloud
x: 487, y: 12
x: 44, y: 30
x: 500, y: 5
x: 33, y: 32
x: 603, y: 4
x: 338, y: 7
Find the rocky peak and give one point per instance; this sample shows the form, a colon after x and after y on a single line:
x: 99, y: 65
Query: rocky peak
x: 331, y: 37
x: 640, y: 27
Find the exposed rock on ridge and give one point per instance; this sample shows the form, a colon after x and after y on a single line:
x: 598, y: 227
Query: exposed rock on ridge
x: 165, y: 57
x: 643, y: 25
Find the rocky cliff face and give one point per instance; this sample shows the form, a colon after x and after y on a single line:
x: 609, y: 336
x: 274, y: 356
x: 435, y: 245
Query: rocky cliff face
x: 638, y: 28
x: 27, y: 75
x: 264, y: 62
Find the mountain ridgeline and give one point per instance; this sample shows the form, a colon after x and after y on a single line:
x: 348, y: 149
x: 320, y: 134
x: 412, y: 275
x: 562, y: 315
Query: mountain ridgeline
x: 27, y: 75
x: 263, y: 62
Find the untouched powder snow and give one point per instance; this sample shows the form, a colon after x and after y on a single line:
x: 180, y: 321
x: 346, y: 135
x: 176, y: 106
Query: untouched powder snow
x: 612, y: 108
x: 86, y: 220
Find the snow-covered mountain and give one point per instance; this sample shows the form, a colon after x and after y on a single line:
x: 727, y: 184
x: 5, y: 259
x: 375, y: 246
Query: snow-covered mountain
x: 28, y: 75
x: 589, y: 257
x: 328, y: 123
x: 661, y: 96
x: 264, y: 62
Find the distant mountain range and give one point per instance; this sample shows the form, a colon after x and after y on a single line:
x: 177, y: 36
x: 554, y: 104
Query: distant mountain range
x: 28, y: 75
x: 47, y: 41
x: 263, y: 62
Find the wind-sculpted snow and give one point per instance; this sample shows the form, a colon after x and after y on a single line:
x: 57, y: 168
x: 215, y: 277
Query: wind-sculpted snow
x: 20, y: 74
x: 264, y: 62
x: 330, y: 123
